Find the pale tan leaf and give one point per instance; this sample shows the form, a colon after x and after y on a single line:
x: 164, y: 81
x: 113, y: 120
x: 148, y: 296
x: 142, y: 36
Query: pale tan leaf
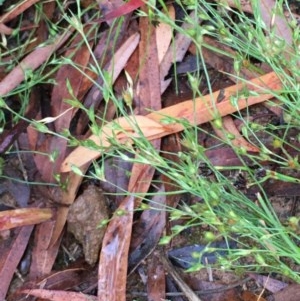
x: 164, y: 33
x: 241, y: 5
x: 124, y: 129
x: 272, y: 19
x: 182, y: 43
x: 5, y: 29
x: 31, y: 62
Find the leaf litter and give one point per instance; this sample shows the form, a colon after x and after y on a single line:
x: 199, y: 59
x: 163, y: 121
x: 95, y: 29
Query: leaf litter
x: 130, y: 239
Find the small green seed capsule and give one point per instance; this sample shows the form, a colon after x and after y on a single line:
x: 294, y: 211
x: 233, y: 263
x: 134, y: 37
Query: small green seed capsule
x: 277, y: 143
x: 260, y: 259
x: 218, y: 123
x: 165, y: 240
x: 209, y: 236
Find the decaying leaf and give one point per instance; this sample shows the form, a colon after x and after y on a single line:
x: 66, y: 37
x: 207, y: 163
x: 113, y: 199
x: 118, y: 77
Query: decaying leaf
x: 55, y: 295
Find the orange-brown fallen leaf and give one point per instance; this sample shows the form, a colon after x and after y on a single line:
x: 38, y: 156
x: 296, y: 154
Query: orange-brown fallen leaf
x: 193, y: 112
x: 113, y: 263
x: 249, y: 296
x: 43, y: 256
x: 12, y: 13
x: 156, y: 285
x: 115, y: 67
x: 22, y: 217
x: 11, y: 252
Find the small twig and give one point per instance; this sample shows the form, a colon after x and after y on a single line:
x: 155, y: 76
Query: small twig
x: 188, y: 292
x: 24, y: 173
x: 201, y: 293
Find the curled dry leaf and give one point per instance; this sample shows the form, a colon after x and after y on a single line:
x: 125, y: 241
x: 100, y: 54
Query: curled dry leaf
x: 198, y: 111
x: 238, y: 140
